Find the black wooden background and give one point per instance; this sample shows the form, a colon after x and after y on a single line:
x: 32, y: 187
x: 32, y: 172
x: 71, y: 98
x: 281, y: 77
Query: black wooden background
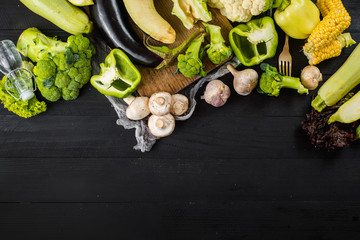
x: 243, y: 171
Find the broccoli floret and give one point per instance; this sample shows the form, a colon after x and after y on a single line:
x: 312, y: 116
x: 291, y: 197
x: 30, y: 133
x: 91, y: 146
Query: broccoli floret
x: 52, y: 94
x: 59, y: 63
x: 86, y: 73
x: 189, y: 11
x: 62, y: 80
x: 271, y: 82
x: 71, y: 92
x: 218, y: 52
x: 78, y: 43
x: 190, y: 64
x: 45, y: 69
x: 83, y: 61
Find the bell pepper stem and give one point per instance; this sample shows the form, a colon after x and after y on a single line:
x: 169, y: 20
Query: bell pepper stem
x: 276, y: 3
x: 284, y: 4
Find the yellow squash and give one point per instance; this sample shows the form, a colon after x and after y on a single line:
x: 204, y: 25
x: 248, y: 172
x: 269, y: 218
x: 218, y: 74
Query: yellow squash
x: 145, y: 16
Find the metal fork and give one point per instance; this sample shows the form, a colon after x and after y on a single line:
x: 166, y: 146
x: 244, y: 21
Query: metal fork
x: 285, y: 59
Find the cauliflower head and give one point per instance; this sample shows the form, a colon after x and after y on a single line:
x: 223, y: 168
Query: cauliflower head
x: 240, y: 10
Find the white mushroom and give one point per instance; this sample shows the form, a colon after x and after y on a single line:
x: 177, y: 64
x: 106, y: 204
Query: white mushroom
x: 161, y: 126
x: 138, y: 108
x: 180, y: 104
x: 160, y: 103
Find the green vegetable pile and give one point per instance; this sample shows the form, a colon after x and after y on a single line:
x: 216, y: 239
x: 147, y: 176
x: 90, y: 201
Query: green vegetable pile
x: 62, y: 68
x: 21, y: 108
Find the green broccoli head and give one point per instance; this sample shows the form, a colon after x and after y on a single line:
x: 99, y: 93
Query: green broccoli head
x: 45, y: 69
x: 190, y: 63
x: 52, y: 93
x: 58, y: 63
x: 218, y: 52
x: 271, y: 82
x: 83, y: 61
x: 78, y: 43
x: 61, y: 62
x: 62, y: 80
x: 72, y: 91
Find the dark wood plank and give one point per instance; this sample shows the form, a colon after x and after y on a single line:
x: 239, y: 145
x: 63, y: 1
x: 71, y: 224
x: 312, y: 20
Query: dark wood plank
x: 156, y: 180
x: 179, y: 220
x: 201, y: 137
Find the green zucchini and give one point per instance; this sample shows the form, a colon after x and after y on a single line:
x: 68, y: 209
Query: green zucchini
x: 348, y: 112
x: 62, y: 13
x: 339, y: 84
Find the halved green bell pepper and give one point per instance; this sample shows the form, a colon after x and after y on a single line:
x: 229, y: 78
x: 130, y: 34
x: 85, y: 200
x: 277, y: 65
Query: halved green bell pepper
x: 118, y: 75
x: 254, y: 41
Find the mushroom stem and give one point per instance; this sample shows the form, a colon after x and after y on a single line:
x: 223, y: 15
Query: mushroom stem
x: 160, y: 100
x: 160, y: 123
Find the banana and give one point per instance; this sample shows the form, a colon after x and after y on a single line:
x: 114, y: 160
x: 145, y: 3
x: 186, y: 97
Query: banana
x: 145, y: 16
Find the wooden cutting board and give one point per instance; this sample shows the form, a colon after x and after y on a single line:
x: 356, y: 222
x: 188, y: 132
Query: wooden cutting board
x: 164, y: 79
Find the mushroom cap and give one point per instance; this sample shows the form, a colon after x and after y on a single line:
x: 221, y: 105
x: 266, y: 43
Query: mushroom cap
x: 160, y: 103
x: 161, y: 126
x: 138, y: 108
x: 180, y: 104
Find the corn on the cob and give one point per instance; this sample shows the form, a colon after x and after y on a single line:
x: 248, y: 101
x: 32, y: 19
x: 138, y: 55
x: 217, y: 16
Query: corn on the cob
x: 333, y: 49
x: 324, y: 10
x: 336, y: 20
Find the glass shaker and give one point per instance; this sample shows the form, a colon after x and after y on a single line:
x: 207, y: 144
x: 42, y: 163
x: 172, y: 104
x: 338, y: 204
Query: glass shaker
x: 18, y: 79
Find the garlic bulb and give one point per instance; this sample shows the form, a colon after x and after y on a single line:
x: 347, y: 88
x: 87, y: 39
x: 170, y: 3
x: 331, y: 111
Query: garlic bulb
x: 216, y: 93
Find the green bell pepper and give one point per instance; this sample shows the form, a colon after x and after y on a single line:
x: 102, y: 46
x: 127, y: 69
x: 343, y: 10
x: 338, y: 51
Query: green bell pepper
x: 254, y: 41
x: 118, y: 76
